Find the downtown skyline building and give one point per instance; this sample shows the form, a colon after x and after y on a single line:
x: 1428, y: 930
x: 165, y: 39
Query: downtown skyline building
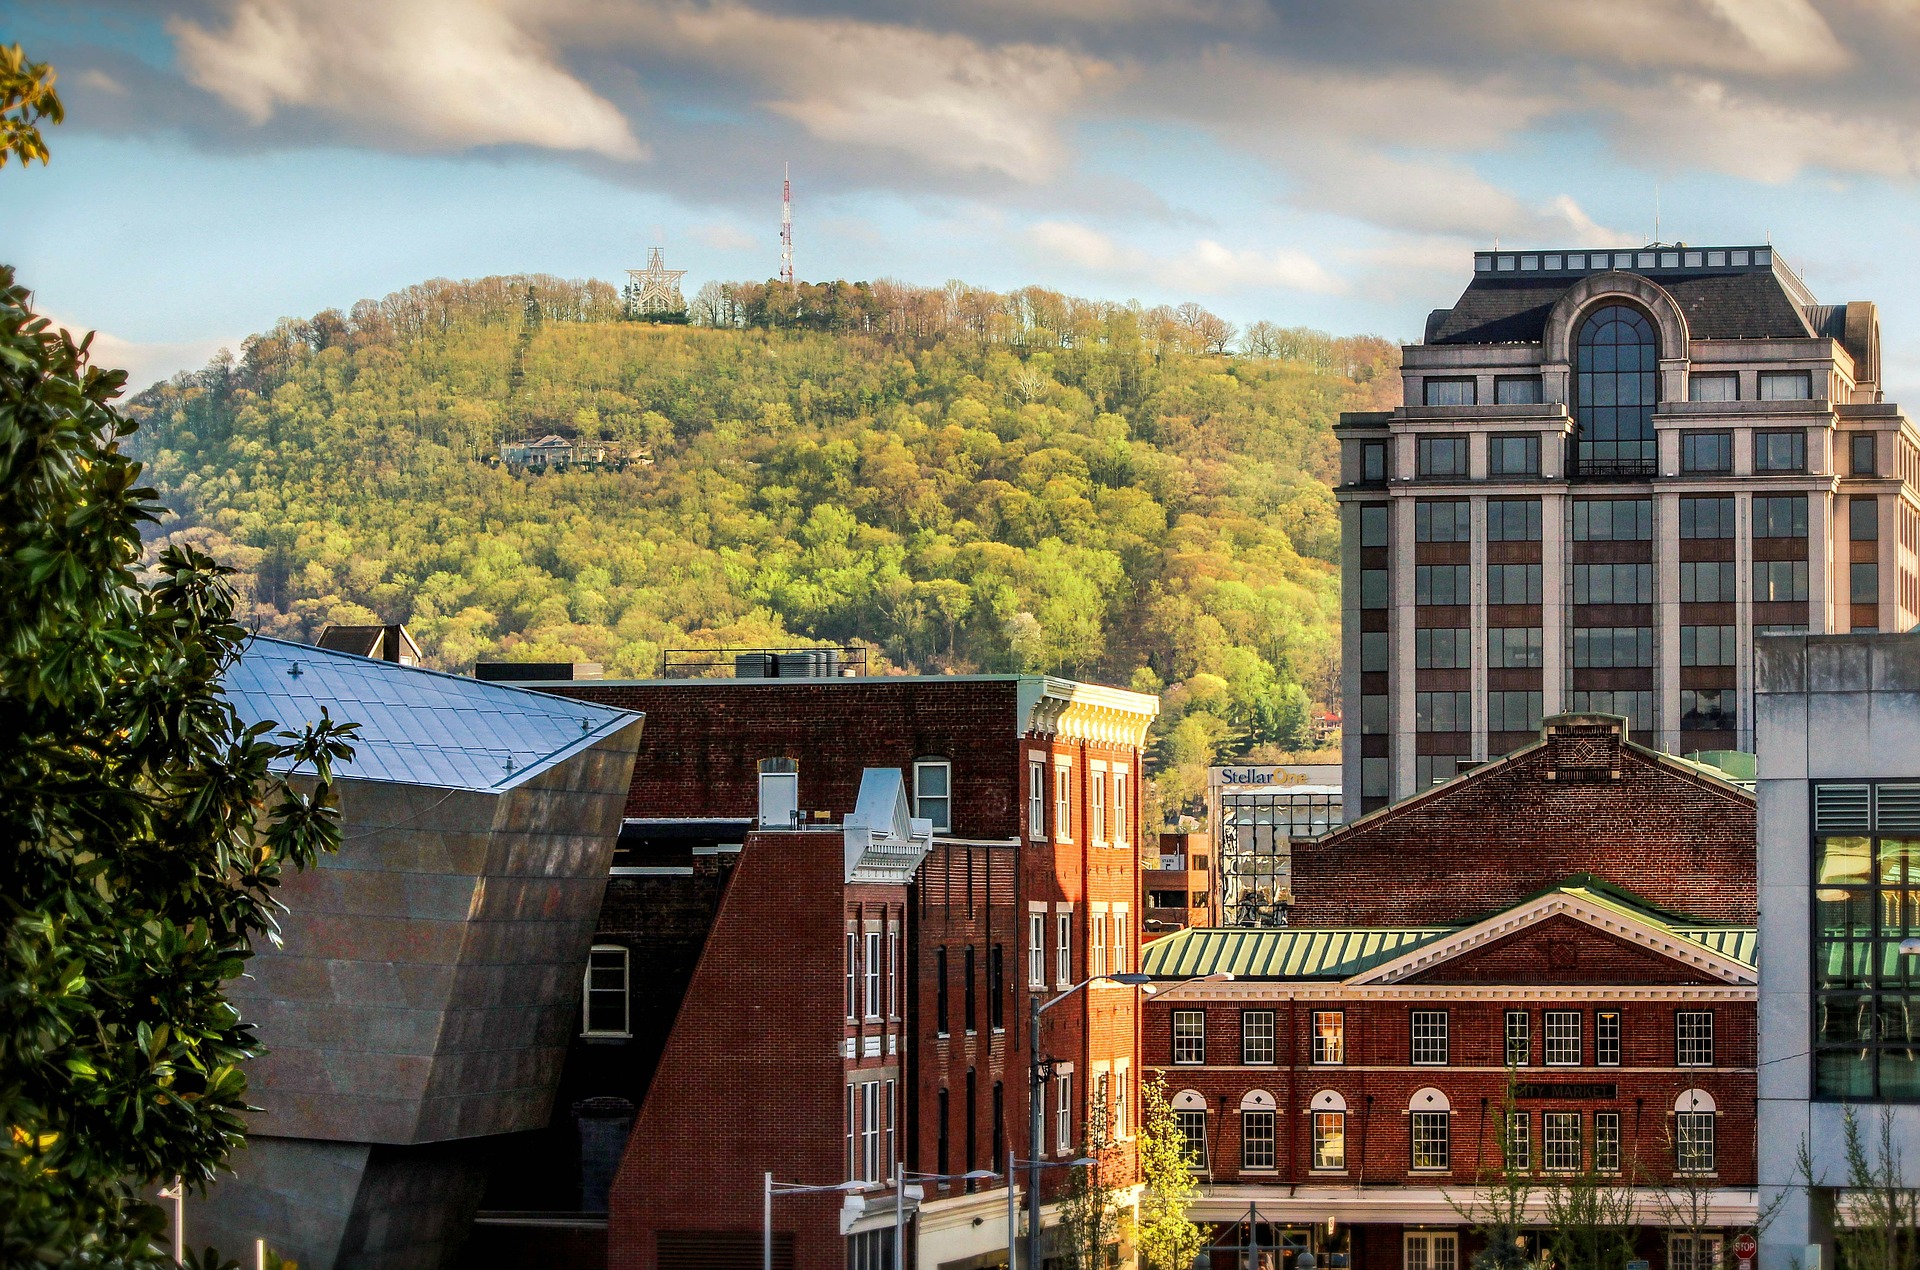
x: 1613, y: 469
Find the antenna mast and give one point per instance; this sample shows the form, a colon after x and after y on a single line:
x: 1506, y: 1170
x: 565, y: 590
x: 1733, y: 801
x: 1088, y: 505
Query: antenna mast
x: 786, y: 226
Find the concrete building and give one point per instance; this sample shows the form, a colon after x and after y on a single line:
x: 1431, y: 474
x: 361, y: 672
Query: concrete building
x: 418, y: 1008
x: 1256, y: 811
x: 1838, y: 730
x: 1612, y: 470
x: 1031, y: 884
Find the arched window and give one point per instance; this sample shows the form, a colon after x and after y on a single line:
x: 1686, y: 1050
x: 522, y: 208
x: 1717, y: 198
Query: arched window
x: 1329, y: 1125
x: 1618, y: 365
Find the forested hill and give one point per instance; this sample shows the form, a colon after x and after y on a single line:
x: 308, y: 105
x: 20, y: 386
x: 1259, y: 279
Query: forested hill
x: 969, y: 480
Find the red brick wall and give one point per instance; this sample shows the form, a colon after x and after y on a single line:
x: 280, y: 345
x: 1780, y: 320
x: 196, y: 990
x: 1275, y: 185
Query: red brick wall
x: 753, y: 1077
x: 1498, y: 835
x: 1561, y: 950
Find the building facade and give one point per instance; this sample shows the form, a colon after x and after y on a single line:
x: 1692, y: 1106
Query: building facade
x: 1256, y: 811
x: 1031, y: 886
x: 1839, y: 833
x: 1612, y: 470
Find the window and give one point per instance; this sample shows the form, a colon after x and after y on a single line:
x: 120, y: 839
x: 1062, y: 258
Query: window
x: 1615, y: 388
x: 1099, y: 966
x: 1780, y: 516
x: 1707, y: 646
x: 1063, y: 1113
x: 997, y: 988
x: 970, y: 1019
x: 1513, y: 454
x: 870, y: 1250
x: 1613, y: 520
x: 853, y: 974
x: 871, y: 964
x: 1606, y: 1038
x: 870, y: 1131
x: 1706, y: 582
x: 1448, y: 392
x: 1517, y: 1150
x: 1862, y: 446
x: 1256, y: 1139
x: 1693, y: 1141
x: 1693, y: 1038
x: 1519, y: 1038
x: 943, y: 1161
x: 1429, y: 1132
x: 1063, y: 803
x: 1373, y: 461
x: 1517, y: 390
x: 1431, y: 1250
x: 1560, y: 1141
x: 893, y: 972
x: 1606, y: 1141
x: 1373, y: 525
x: 1442, y: 520
x: 1706, y: 452
x: 604, y: 995
x: 1443, y: 456
x: 1866, y: 875
x: 1513, y: 520
x: 1613, y: 584
x: 1706, y: 518
x: 1637, y: 707
x: 1514, y: 647
x: 1785, y: 385
x: 1863, y: 518
x: 1443, y: 711
x: 1036, y: 799
x: 939, y: 990
x: 1063, y: 949
x: 1613, y: 646
x: 1442, y: 584
x: 1329, y: 1139
x: 853, y: 1132
x: 1780, y: 451
x: 1693, y: 1252
x: 1120, y: 820
x: 1513, y: 711
x: 1442, y: 648
x: 1373, y: 715
x: 1707, y: 708
x: 1513, y: 584
x: 1117, y: 963
x: 1097, y: 807
x: 1435, y: 769
x: 1429, y: 1037
x: 933, y: 793
x: 1256, y: 1036
x: 1563, y: 1039
x: 1329, y: 1037
x: 1037, y: 950
x: 1192, y: 1123
x: 1714, y: 387
x: 1119, y: 1113
x: 1777, y: 580
x: 892, y: 1143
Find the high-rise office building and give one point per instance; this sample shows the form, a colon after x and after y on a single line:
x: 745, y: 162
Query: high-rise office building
x: 1613, y: 468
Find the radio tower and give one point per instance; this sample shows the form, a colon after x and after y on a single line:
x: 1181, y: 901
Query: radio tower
x: 786, y: 226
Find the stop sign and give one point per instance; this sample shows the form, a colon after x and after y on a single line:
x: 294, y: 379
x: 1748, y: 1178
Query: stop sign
x: 1744, y: 1247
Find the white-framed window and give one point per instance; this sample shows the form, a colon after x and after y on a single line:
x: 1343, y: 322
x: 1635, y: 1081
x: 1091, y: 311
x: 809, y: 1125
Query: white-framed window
x: 870, y: 1131
x: 1117, y: 963
x: 1189, y: 1036
x: 1563, y: 1038
x: 893, y: 1135
x: 1430, y: 1145
x: 1606, y: 1141
x: 1431, y: 1250
x: 1693, y: 1137
x: 1256, y: 1036
x: 1063, y: 1113
x: 1122, y: 1082
x: 1063, y: 948
x: 1097, y: 807
x: 893, y: 973
x: 603, y: 998
x: 1100, y: 1114
x: 1518, y: 1148
x: 853, y: 973
x: 872, y: 976
x: 1329, y: 1037
x: 1192, y: 1122
x: 1099, y: 966
x: 1693, y: 1252
x: 1606, y: 1038
x: 1037, y: 950
x: 1062, y: 803
x: 1037, y: 799
x: 1256, y: 1140
x: 1120, y: 821
x: 853, y: 1133
x: 1519, y: 1038
x: 1429, y: 1038
x: 1329, y: 1139
x: 1693, y: 1038
x: 933, y: 793
x: 1560, y: 1147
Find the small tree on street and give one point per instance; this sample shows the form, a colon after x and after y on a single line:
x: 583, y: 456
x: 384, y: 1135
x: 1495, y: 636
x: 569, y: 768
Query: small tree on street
x: 1164, y: 1235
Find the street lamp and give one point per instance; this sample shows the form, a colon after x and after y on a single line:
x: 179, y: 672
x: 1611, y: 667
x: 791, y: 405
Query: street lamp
x: 1013, y: 1212
x: 1039, y: 1070
x: 773, y: 1188
x: 900, y: 1175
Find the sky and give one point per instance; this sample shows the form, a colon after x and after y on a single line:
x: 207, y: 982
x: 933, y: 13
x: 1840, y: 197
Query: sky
x: 226, y: 163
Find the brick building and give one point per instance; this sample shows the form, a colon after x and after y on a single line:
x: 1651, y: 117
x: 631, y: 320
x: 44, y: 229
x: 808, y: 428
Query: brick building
x: 1480, y: 937
x: 1031, y: 885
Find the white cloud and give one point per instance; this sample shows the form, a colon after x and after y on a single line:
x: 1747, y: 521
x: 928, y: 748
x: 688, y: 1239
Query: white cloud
x: 1207, y: 267
x: 145, y: 363
x: 434, y: 72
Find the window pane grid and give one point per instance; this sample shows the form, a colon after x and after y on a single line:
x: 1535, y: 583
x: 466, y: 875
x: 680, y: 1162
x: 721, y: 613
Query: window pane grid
x: 1519, y: 1038
x: 1560, y: 1141
x: 1563, y: 1038
x: 1329, y: 1037
x: 1430, y: 1037
x: 1429, y: 1130
x: 1256, y: 1140
x: 1329, y: 1139
x: 1257, y: 1036
x: 1693, y: 1038
x: 1189, y: 1036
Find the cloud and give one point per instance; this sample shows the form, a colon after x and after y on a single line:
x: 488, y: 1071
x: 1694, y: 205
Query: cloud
x: 146, y: 363
x: 439, y: 73
x: 1206, y: 267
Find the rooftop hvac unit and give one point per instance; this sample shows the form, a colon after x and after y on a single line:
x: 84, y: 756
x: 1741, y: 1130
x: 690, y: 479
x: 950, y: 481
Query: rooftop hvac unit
x: 753, y: 666
x: 813, y: 663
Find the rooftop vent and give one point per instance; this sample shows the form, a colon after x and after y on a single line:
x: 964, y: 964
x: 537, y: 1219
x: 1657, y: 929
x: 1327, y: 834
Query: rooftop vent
x: 764, y: 663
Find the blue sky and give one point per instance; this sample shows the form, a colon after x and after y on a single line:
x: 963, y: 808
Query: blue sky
x: 229, y: 162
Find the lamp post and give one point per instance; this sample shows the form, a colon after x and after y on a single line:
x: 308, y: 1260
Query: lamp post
x: 1013, y: 1212
x: 773, y: 1188
x: 178, y: 1194
x: 900, y: 1175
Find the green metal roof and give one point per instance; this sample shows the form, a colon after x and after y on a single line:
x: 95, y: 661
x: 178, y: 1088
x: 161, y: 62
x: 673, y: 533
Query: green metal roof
x: 1342, y: 952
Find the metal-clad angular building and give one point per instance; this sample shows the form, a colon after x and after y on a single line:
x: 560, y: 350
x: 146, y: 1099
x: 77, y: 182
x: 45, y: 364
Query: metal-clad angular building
x: 426, y: 989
